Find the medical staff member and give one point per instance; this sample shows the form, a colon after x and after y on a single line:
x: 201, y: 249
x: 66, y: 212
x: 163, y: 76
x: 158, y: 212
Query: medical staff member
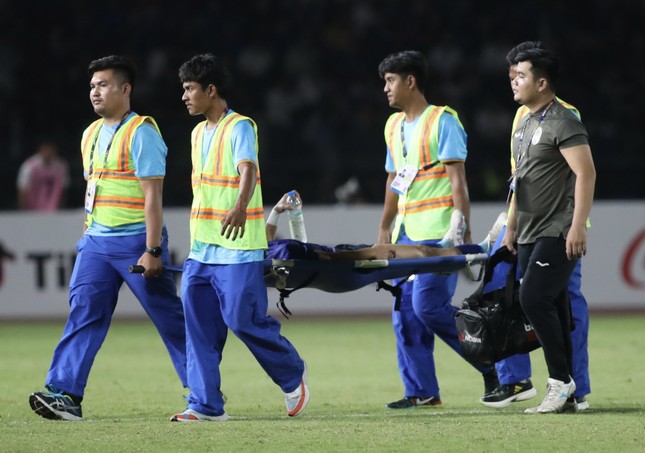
x: 553, y: 186
x: 515, y: 372
x: 426, y: 183
x: 124, y: 163
x: 223, y: 280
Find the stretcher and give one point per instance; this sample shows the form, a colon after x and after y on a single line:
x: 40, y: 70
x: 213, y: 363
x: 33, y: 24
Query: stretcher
x: 344, y: 276
x: 290, y: 275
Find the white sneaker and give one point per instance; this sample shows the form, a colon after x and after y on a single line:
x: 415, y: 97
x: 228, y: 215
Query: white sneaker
x: 455, y: 234
x: 190, y: 415
x: 557, y: 393
x: 297, y: 400
x: 576, y: 404
x: 581, y: 404
x: 490, y: 239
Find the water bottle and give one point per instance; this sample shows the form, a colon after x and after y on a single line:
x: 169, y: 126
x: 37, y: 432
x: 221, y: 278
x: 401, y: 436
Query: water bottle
x: 296, y: 219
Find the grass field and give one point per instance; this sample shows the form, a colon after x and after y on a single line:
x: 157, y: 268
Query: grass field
x: 352, y: 374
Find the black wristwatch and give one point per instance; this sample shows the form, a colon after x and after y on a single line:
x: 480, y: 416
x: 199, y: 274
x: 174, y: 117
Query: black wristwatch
x: 154, y: 251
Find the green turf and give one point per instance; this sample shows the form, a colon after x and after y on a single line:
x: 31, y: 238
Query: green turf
x: 352, y: 367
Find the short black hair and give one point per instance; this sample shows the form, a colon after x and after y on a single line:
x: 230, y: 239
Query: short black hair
x: 123, y: 67
x: 522, y: 47
x: 407, y: 62
x: 206, y: 69
x: 544, y: 64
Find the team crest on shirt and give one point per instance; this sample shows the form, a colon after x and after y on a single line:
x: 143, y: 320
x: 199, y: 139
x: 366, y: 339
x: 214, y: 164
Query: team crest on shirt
x: 536, y: 136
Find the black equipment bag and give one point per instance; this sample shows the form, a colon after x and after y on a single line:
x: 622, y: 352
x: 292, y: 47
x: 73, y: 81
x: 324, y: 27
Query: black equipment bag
x: 492, y: 326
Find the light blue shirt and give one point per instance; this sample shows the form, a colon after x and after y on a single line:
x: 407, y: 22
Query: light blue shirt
x: 243, y: 145
x: 243, y: 138
x: 452, y: 140
x: 148, y: 164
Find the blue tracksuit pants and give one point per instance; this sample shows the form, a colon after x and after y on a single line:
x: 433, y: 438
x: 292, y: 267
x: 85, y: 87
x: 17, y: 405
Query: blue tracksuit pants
x: 425, y: 310
x: 100, y: 269
x: 218, y: 297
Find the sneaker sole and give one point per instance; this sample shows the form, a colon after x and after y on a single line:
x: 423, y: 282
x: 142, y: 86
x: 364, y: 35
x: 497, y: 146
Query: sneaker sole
x: 40, y: 407
x: 432, y: 403
x: 409, y: 408
x: 536, y: 410
x: 522, y: 396
x: 202, y: 418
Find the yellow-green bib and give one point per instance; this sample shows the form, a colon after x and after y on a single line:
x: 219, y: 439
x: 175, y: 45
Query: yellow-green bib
x: 426, y: 207
x: 119, y: 198
x: 216, y: 187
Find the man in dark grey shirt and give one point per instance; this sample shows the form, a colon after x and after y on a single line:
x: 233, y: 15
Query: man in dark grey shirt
x: 544, y: 183
x: 554, y: 184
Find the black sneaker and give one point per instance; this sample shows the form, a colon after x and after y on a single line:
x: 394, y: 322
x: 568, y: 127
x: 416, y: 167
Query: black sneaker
x: 410, y: 402
x: 490, y: 381
x: 56, y: 405
x: 506, y: 394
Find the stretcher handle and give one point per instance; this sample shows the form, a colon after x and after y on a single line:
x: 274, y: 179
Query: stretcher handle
x: 139, y: 269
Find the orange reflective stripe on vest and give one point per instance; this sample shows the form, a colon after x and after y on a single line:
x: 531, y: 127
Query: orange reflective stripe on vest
x: 218, y: 214
x: 428, y: 204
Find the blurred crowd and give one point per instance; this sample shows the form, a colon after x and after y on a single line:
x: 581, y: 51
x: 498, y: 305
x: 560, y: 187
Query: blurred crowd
x: 306, y: 71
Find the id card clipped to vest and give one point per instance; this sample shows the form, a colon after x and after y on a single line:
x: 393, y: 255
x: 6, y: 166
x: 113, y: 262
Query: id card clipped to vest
x: 90, y: 195
x: 404, y: 179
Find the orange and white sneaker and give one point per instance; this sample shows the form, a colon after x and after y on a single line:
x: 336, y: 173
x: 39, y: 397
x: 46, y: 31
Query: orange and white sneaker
x: 190, y: 415
x: 297, y: 400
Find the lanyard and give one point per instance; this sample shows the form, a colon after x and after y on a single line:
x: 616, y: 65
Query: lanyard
x: 107, y: 150
x: 528, y: 144
x: 513, y: 178
x: 405, y: 148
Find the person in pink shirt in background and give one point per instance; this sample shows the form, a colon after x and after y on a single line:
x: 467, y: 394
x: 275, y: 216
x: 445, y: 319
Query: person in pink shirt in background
x: 43, y: 180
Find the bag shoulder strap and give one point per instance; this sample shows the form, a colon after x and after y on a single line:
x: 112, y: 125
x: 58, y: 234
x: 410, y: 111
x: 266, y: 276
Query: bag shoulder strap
x: 502, y: 254
x: 511, y: 286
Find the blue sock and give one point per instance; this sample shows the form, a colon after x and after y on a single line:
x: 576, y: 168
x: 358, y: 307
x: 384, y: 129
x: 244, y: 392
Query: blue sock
x: 471, y: 249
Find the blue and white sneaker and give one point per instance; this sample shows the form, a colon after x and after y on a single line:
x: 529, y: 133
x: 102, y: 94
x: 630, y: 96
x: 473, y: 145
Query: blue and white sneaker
x: 56, y: 405
x: 556, y: 397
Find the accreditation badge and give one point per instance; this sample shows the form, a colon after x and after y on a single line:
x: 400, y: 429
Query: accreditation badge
x: 536, y: 136
x: 403, y: 179
x: 90, y: 195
